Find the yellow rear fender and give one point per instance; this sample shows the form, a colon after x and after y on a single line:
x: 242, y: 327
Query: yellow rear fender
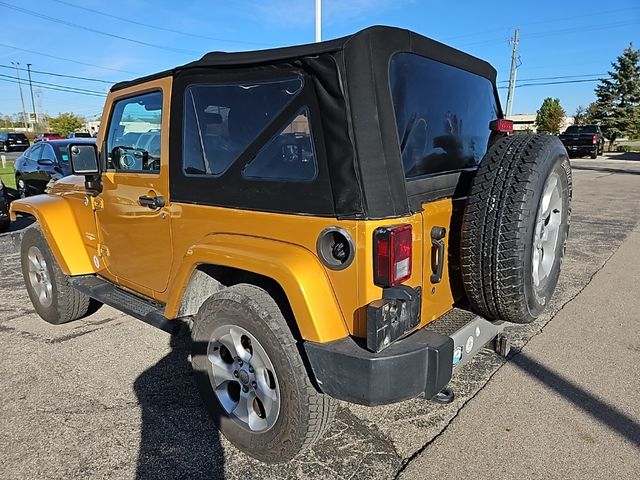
x: 57, y: 221
x: 294, y: 268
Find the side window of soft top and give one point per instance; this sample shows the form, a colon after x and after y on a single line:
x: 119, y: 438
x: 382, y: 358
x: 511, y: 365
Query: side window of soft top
x: 133, y: 139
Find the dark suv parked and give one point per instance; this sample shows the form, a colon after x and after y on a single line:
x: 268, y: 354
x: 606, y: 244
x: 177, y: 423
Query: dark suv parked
x: 13, y: 141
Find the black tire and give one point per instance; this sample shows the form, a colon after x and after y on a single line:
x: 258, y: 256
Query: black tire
x: 66, y: 302
x: 594, y: 154
x: 304, y: 413
x: 22, y: 191
x: 4, y: 226
x: 499, y: 225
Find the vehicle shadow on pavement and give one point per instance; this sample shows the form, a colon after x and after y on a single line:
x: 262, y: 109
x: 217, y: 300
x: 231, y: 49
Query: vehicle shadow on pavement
x: 606, y: 414
x: 178, y: 438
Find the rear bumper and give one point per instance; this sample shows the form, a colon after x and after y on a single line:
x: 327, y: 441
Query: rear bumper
x: 417, y: 365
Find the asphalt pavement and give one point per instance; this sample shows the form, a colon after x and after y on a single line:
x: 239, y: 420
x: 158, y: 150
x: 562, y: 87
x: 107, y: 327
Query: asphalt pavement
x: 110, y: 397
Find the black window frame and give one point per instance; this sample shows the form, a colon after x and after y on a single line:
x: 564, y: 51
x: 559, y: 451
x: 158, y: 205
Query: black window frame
x: 231, y: 189
x: 104, y: 151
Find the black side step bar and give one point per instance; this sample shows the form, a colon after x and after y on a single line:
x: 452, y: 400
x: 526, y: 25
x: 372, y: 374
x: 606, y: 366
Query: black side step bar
x: 143, y: 309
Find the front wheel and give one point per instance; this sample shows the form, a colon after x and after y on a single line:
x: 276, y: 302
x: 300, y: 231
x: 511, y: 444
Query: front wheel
x: 52, y: 297
x: 251, y: 376
x: 21, y: 187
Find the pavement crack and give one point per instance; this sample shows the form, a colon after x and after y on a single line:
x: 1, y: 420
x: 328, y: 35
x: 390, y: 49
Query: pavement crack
x: 406, y: 462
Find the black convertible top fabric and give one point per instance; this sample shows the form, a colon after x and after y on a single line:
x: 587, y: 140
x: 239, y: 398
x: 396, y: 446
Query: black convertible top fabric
x: 351, y: 76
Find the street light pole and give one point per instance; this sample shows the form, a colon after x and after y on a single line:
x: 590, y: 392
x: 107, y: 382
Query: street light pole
x: 33, y: 103
x: 24, y: 114
x: 318, y: 20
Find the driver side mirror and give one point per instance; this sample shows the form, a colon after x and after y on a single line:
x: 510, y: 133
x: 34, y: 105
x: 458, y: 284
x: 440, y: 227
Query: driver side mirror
x: 84, y: 159
x: 45, y: 162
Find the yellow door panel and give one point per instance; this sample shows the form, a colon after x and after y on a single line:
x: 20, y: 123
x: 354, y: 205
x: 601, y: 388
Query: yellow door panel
x: 135, y: 237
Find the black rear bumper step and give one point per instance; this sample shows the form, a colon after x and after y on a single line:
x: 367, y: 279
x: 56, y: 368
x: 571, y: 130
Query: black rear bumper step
x: 143, y: 309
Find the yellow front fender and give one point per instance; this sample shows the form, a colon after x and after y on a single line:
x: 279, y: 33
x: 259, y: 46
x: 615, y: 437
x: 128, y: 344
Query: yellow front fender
x: 296, y: 269
x: 58, y: 223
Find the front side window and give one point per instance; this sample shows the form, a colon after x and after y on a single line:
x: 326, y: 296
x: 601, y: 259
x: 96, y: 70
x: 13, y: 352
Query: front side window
x: 133, y: 141
x: 222, y: 120
x: 47, y: 153
x: 442, y: 114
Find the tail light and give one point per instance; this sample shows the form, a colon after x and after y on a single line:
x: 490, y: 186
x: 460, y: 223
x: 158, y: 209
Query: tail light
x: 392, y: 255
x: 501, y: 125
x: 594, y: 139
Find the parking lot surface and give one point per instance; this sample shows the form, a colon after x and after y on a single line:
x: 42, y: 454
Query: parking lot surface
x: 110, y: 397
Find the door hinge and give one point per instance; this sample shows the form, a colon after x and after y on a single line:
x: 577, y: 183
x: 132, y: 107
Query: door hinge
x: 103, y: 251
x: 97, y: 203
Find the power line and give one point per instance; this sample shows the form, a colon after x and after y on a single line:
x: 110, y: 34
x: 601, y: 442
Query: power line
x: 60, y: 88
x: 156, y: 27
x: 555, y: 32
x: 555, y: 83
x: 93, y: 30
x: 559, y: 19
x: 108, y: 82
x: 558, y: 78
x: 68, y: 59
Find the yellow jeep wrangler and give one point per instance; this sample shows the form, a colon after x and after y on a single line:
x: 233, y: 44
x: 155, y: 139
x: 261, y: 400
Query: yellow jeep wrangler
x: 344, y: 220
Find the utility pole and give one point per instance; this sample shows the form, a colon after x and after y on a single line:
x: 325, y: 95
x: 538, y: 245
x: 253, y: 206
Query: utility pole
x: 318, y: 20
x: 24, y: 114
x: 33, y: 103
x: 512, y: 74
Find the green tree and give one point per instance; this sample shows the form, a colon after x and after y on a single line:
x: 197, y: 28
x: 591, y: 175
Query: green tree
x: 550, y: 117
x: 65, y: 123
x: 617, y: 105
x: 580, y: 117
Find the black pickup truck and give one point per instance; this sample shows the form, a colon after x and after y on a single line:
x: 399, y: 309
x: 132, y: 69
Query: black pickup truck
x: 581, y: 140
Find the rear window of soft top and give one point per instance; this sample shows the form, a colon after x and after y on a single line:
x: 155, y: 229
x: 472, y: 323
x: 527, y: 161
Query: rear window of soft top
x: 18, y: 136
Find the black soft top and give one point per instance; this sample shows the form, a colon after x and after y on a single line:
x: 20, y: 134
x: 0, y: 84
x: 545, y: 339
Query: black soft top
x: 348, y: 79
x: 370, y: 42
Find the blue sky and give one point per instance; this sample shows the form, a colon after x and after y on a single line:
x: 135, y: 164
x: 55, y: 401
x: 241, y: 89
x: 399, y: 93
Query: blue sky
x: 557, y: 39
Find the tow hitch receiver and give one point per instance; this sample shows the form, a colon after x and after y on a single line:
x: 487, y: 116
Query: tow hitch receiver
x: 468, y: 340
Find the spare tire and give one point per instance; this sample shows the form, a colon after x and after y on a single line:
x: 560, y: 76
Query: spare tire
x: 515, y: 227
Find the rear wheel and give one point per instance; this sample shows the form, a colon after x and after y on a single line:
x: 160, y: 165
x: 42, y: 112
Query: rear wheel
x: 594, y: 153
x: 52, y: 297
x: 515, y: 227
x: 251, y: 376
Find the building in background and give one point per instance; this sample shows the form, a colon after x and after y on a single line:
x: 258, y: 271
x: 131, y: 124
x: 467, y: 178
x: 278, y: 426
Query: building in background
x: 526, y: 122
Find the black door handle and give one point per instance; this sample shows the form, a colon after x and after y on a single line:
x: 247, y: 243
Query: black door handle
x: 151, y: 202
x: 437, y: 253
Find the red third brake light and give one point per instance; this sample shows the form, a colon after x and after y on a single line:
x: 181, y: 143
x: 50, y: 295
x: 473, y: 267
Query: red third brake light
x: 392, y: 248
x: 501, y: 125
